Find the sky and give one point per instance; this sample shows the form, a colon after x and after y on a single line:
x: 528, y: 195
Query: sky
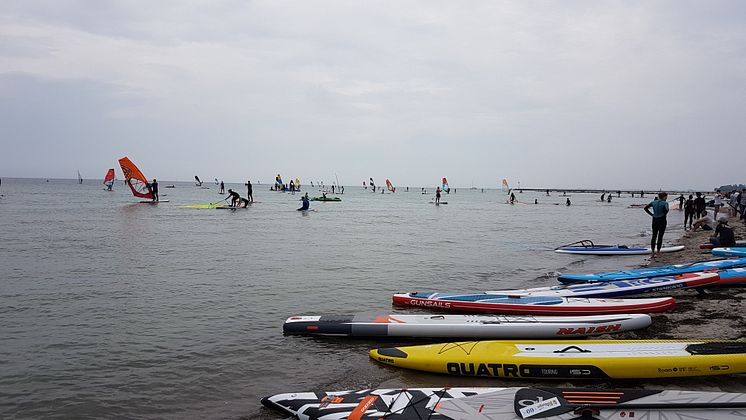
x: 594, y: 94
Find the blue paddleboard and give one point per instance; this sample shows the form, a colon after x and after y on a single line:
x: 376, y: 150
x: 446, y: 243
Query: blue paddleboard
x: 730, y: 252
x: 667, y: 270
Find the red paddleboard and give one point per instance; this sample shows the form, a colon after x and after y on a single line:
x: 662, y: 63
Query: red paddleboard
x: 532, y: 305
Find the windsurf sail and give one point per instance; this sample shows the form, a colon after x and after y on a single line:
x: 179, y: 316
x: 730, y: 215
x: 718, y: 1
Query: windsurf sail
x: 372, y: 184
x: 217, y: 182
x: 506, y: 187
x: 445, y: 185
x: 390, y: 186
x: 109, y: 179
x: 199, y: 183
x: 80, y: 178
x: 137, y: 182
x: 278, y: 180
x: 297, y: 184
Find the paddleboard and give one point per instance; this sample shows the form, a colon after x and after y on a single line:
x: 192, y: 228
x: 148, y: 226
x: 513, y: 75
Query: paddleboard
x: 509, y: 404
x: 369, y: 404
x: 613, y: 250
x: 532, y: 305
x: 730, y: 252
x: 442, y: 202
x: 325, y: 199
x: 733, y: 276
x: 666, y: 270
x: 711, y: 246
x: 620, y: 287
x: 154, y: 202
x: 471, y: 326
x: 567, y: 359
x: 203, y: 206
x: 598, y: 404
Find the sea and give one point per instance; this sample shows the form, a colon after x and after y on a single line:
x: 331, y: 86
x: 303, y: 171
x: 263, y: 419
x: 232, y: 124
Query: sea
x: 112, y: 308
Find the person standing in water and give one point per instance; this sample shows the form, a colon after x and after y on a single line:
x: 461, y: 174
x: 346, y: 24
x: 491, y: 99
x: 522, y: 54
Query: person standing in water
x: 568, y: 202
x: 306, y: 203
x: 154, y: 190
x: 437, y: 196
x: 681, y: 201
x: 512, y: 198
x: 222, y: 188
x: 249, y: 191
x: 660, y: 210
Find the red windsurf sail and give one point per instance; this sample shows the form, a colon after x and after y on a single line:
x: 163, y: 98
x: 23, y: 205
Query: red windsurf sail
x: 390, y: 186
x: 109, y: 178
x: 137, y: 182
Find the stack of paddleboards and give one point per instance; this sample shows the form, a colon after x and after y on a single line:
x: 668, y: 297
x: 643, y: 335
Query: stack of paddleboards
x: 533, y: 334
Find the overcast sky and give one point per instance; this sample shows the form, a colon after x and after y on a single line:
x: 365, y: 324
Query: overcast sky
x: 604, y: 94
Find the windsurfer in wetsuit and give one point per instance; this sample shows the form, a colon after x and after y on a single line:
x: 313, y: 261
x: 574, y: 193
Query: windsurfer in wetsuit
x: 306, y: 203
x: 235, y: 198
x: 222, y: 188
x: 512, y: 198
x: 154, y: 190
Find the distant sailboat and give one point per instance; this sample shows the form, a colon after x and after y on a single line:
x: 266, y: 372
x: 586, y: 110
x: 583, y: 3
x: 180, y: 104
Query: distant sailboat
x: 472, y: 185
x: 136, y: 180
x: 109, y: 179
x: 80, y: 178
x: 390, y: 186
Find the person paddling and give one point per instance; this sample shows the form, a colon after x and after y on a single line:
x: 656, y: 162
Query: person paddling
x: 249, y: 191
x: 437, y: 196
x: 660, y: 210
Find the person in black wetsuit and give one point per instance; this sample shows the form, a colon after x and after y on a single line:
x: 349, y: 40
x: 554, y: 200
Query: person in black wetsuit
x: 235, y: 198
x: 568, y: 202
x: 222, y: 188
x: 512, y: 198
x: 437, y: 195
x: 723, y: 236
x: 249, y: 191
x: 681, y: 201
x: 154, y: 190
x: 699, y: 205
x: 306, y: 203
x: 689, y: 212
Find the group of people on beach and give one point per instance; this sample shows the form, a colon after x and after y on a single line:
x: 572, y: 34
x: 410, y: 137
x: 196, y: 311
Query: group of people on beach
x: 697, y: 208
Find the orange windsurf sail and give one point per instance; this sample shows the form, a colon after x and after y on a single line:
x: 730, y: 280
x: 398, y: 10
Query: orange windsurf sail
x: 135, y: 179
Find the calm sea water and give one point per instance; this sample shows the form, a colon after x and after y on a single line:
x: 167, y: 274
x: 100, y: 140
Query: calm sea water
x: 111, y: 308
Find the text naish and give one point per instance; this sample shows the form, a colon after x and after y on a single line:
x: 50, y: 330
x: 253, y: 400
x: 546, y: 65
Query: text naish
x: 589, y: 330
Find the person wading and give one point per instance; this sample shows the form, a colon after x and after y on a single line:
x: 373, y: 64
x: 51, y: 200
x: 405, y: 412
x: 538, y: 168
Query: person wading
x: 660, y: 210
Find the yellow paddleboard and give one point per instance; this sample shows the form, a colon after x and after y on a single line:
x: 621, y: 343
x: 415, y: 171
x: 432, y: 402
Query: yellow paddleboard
x: 586, y: 359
